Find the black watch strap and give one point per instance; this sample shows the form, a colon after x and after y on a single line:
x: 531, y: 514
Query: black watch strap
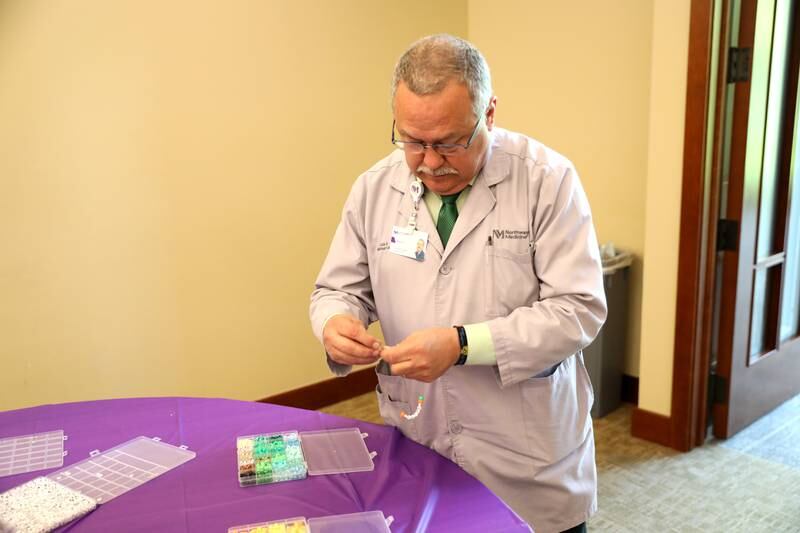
x: 463, y: 345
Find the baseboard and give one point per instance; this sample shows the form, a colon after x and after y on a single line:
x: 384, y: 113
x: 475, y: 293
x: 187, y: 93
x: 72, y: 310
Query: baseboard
x: 652, y: 426
x: 362, y: 381
x: 327, y: 392
x: 630, y: 389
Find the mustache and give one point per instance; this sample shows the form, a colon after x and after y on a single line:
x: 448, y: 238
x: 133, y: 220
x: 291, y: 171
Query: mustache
x: 441, y: 171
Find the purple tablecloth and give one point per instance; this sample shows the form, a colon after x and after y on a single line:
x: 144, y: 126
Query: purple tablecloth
x: 422, y: 490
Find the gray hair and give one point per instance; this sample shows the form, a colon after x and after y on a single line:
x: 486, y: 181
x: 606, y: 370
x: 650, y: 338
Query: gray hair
x: 431, y: 62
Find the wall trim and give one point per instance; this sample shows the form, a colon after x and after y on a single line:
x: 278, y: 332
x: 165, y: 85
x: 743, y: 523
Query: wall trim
x: 328, y: 391
x: 334, y: 390
x: 696, y: 248
x: 652, y: 426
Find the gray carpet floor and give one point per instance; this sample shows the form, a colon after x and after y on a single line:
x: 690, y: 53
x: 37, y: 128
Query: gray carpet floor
x: 749, y: 483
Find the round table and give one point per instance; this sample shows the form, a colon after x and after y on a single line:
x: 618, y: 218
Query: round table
x: 422, y: 490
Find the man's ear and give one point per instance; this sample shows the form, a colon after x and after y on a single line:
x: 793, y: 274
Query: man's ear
x: 490, y: 113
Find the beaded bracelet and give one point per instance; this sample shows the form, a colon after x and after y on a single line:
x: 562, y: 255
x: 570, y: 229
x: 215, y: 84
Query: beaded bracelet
x: 415, y: 414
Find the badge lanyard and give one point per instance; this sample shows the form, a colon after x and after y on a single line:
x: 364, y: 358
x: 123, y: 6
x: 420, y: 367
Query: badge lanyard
x: 407, y: 240
x: 416, y: 188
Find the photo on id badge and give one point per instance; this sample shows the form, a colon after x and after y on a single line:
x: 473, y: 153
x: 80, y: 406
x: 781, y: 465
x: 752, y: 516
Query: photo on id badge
x: 408, y: 243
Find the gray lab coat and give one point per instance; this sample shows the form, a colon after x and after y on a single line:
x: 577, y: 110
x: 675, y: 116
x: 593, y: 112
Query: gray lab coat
x: 523, y: 257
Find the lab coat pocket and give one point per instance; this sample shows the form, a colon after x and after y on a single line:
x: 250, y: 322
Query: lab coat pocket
x: 392, y: 402
x: 556, y: 421
x: 583, y: 373
x: 509, y: 281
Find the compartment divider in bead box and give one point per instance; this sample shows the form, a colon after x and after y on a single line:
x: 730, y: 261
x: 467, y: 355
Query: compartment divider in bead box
x: 290, y: 525
x: 104, y: 476
x: 364, y: 522
x: 270, y: 458
x: 28, y: 453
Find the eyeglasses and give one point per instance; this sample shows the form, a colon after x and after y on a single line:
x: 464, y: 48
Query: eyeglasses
x: 417, y: 147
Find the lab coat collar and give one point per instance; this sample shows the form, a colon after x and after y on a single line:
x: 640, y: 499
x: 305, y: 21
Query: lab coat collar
x: 479, y: 204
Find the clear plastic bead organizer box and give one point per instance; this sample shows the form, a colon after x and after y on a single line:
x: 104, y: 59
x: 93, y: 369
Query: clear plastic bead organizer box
x: 274, y: 457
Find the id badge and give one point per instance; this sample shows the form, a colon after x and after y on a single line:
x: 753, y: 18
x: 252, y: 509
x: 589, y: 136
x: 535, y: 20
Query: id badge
x: 408, y: 243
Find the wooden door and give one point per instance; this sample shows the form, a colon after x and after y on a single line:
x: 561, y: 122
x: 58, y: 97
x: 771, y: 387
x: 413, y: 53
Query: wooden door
x: 758, y: 344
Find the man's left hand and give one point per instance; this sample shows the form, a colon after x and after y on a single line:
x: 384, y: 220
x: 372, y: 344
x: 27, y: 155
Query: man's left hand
x: 424, y: 355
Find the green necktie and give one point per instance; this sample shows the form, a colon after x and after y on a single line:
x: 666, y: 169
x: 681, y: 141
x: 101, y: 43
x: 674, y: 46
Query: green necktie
x: 447, y: 217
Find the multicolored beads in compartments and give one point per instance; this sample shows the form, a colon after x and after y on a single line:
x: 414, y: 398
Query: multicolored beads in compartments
x: 292, y: 525
x: 270, y: 458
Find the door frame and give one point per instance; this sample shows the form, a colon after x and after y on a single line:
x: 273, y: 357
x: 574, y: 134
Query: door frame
x: 687, y: 425
x: 685, y: 428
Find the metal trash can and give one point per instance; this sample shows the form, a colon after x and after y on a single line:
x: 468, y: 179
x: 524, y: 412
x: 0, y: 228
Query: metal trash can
x: 605, y: 356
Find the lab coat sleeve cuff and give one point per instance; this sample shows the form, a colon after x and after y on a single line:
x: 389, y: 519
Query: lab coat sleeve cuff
x: 325, y: 322
x: 481, y: 346
x: 325, y: 309
x: 338, y: 369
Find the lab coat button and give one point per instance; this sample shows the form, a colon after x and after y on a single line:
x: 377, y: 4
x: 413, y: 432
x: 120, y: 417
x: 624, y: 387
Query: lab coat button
x: 445, y: 269
x: 455, y: 428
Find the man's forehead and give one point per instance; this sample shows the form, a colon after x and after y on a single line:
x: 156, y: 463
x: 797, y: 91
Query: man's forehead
x: 454, y: 93
x: 447, y: 111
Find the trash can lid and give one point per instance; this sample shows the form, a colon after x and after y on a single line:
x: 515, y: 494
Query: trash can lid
x: 617, y: 262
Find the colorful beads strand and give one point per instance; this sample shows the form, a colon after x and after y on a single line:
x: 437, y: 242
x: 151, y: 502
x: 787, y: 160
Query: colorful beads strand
x: 415, y: 414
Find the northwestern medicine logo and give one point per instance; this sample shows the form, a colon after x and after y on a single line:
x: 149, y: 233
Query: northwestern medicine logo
x: 510, y: 233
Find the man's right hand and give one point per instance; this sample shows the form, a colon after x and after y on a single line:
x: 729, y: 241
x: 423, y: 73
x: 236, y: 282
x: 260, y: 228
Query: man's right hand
x: 347, y: 342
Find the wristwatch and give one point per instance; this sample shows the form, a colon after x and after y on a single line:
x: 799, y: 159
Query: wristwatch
x: 463, y: 345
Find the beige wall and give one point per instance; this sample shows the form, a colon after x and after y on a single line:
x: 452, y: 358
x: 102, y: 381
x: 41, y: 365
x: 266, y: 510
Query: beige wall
x: 170, y: 176
x: 148, y: 151
x: 663, y: 202
x: 575, y: 75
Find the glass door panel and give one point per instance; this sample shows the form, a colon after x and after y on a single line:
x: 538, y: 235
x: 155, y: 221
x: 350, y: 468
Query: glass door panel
x: 790, y: 299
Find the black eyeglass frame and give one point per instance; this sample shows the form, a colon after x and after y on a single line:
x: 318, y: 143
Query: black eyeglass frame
x: 418, y: 147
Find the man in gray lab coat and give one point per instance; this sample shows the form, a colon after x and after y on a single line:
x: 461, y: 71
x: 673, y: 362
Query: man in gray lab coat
x: 489, y: 325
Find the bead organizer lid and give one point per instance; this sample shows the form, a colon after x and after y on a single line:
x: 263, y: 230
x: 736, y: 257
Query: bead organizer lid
x: 28, y: 453
x: 336, y: 451
x: 367, y: 522
x: 104, y: 476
